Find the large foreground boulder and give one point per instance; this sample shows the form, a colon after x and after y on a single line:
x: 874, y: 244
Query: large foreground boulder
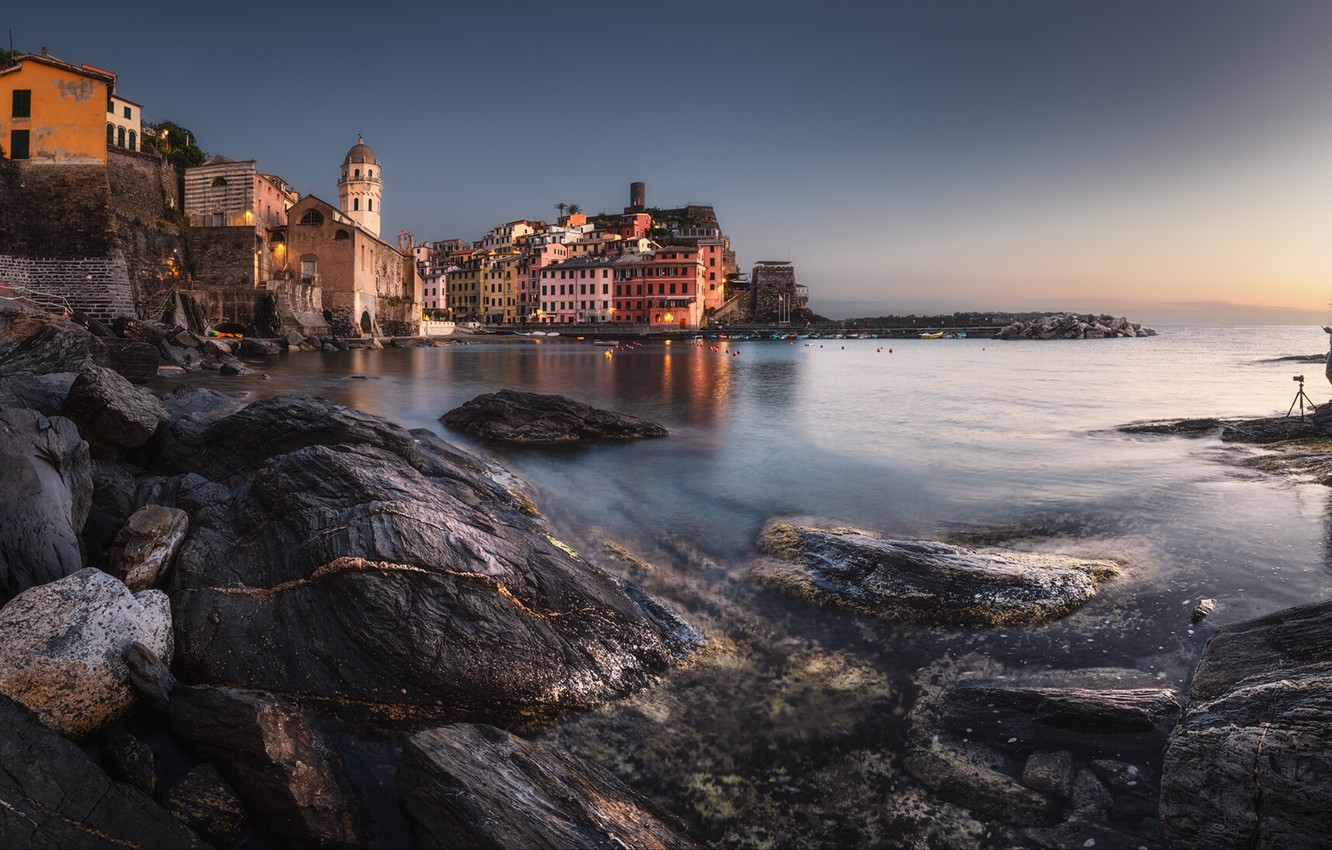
x: 510, y: 416
x: 53, y: 795
x: 338, y: 559
x: 1250, y: 764
x: 45, y: 467
x: 62, y: 648
x: 469, y: 785
x: 925, y: 581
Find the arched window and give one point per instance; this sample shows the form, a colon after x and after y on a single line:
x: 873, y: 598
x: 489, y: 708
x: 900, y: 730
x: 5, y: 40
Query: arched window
x: 340, y: 235
x: 110, y: 133
x: 312, y: 217
x: 134, y: 140
x: 358, y: 174
x: 219, y: 181
x: 120, y: 137
x: 370, y: 174
x: 356, y: 204
x: 370, y: 204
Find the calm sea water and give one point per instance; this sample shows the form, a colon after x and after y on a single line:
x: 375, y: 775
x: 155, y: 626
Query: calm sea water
x: 1011, y: 443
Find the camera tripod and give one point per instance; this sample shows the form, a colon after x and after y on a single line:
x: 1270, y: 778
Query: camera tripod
x: 1301, y: 399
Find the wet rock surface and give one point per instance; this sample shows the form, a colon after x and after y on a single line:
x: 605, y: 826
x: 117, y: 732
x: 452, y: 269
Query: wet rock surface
x: 519, y: 417
x: 336, y: 557
x: 1023, y: 749
x: 1251, y: 762
x: 924, y: 581
x: 470, y: 785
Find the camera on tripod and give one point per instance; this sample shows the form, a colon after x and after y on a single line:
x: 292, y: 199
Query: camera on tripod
x: 1300, y: 398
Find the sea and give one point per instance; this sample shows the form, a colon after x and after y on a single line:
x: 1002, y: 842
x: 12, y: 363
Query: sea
x: 789, y: 725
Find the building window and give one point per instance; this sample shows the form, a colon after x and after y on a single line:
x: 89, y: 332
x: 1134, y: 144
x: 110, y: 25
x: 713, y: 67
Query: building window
x: 356, y: 204
x: 219, y: 181
x: 22, y: 103
x: 341, y: 234
x: 312, y: 217
x: 370, y: 204
x: 18, y: 144
x: 120, y: 137
x: 127, y: 112
x: 134, y: 140
x: 110, y: 134
x: 307, y: 270
x: 219, y: 219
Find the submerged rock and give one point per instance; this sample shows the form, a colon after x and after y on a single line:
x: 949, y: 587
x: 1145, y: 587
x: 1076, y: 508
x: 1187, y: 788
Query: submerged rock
x: 468, y: 785
x: 1250, y: 764
x: 516, y: 417
x: 925, y: 581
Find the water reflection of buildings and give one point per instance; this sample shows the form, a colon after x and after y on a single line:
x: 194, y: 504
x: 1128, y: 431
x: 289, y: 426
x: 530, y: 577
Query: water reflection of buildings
x: 678, y: 381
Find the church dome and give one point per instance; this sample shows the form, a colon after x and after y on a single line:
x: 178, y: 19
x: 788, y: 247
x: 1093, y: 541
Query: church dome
x: 360, y: 152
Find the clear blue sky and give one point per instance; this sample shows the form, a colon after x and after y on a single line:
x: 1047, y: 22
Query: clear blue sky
x: 1136, y: 156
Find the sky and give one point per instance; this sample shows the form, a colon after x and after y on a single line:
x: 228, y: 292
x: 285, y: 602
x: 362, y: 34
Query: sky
x: 1168, y: 161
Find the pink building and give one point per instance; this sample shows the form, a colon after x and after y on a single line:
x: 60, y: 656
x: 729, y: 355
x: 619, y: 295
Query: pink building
x: 577, y: 290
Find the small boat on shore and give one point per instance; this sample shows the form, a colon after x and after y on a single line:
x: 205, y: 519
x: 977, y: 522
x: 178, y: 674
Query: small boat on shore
x: 936, y: 335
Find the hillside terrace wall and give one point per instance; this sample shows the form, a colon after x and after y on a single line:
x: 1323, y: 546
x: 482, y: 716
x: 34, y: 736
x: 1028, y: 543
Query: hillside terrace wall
x: 96, y: 286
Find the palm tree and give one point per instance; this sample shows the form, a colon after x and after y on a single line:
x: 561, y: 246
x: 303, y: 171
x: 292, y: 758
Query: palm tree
x: 561, y: 206
x: 574, y: 209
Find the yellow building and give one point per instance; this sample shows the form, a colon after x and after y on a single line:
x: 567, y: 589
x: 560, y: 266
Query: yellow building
x: 52, y: 111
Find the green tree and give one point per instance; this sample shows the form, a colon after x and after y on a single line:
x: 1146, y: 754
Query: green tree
x: 7, y: 58
x: 574, y: 209
x: 176, y: 144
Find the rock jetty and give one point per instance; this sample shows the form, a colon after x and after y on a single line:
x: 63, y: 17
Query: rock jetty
x: 292, y: 565
x: 1074, y: 326
x: 924, y: 581
x: 510, y: 416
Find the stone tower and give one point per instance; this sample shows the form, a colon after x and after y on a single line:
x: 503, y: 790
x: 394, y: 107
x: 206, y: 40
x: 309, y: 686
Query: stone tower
x: 361, y: 186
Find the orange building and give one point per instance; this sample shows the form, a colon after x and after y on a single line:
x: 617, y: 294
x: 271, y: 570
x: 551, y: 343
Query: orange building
x: 52, y: 111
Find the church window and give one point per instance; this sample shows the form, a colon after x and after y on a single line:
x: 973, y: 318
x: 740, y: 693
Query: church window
x: 312, y: 217
x: 370, y: 173
x: 340, y: 235
x: 358, y: 174
x: 219, y: 181
x: 370, y: 204
x: 356, y: 204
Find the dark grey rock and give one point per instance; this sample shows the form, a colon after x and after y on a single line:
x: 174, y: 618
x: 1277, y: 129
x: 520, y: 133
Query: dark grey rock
x: 1051, y: 772
x: 38, y: 344
x: 136, y: 361
x: 251, y: 347
x: 129, y: 759
x: 1089, y: 798
x: 112, y: 414
x: 267, y: 749
x: 1250, y: 764
x: 203, y: 801
x: 53, y: 796
x: 45, y: 466
x: 517, y: 417
x: 469, y: 785
x: 924, y: 581
x: 233, y: 366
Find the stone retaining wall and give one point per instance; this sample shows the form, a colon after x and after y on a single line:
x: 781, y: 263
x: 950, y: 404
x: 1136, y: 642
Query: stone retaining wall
x: 96, y: 286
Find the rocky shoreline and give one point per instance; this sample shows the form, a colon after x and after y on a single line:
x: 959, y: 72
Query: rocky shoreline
x: 248, y: 579
x: 1074, y: 326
